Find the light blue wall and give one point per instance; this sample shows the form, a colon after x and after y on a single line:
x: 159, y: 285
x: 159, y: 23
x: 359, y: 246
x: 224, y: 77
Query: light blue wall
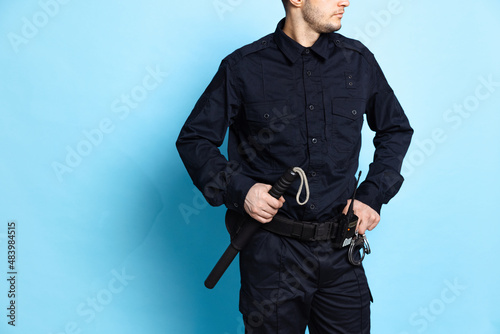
x: 92, y: 97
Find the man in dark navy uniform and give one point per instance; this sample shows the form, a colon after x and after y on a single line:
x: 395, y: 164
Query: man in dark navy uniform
x: 298, y: 97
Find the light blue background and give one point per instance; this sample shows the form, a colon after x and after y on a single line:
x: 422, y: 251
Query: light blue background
x: 117, y: 210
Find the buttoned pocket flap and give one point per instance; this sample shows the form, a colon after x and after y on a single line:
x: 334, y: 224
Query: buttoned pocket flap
x: 351, y: 108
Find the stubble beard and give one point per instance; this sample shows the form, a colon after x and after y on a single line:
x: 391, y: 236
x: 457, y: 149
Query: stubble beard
x: 318, y: 21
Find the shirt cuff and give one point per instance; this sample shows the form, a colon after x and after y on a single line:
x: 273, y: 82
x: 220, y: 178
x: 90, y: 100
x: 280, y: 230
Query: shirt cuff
x: 237, y: 192
x: 368, y: 193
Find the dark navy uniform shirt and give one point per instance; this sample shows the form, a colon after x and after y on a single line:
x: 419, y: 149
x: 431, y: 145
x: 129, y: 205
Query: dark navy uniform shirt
x: 286, y: 105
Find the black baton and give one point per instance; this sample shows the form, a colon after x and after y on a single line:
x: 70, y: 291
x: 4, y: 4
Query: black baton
x: 247, y: 230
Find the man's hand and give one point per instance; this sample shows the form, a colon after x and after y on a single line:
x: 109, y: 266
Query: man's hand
x: 260, y: 205
x: 368, y: 218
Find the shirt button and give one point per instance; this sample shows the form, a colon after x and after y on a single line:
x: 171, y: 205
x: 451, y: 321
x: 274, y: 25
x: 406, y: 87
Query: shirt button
x: 309, y: 73
x: 314, y: 140
x: 236, y: 205
x: 312, y: 206
x: 354, y: 112
x: 264, y: 42
x: 311, y: 107
x: 350, y: 77
x: 307, y: 51
x: 266, y: 116
x: 351, y: 83
x: 313, y: 174
x: 337, y: 42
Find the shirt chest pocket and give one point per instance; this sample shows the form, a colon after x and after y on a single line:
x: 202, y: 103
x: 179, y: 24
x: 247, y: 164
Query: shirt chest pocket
x: 272, y: 126
x: 346, y: 123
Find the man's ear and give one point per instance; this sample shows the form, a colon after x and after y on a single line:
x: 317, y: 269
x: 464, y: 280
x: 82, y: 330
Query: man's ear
x: 296, y: 3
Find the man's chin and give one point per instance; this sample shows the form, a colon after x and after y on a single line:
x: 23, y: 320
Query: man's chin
x: 331, y: 28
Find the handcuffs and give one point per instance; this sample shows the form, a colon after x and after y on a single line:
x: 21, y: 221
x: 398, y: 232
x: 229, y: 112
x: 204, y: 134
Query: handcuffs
x: 359, y: 242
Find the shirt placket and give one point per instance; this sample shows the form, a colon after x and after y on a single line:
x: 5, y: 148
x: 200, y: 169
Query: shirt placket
x: 315, y: 127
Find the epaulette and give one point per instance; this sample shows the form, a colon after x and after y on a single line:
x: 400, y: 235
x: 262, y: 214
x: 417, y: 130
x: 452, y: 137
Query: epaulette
x: 248, y: 49
x: 348, y: 43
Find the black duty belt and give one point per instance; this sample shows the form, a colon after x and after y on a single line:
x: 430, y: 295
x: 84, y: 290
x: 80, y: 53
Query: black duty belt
x: 302, y: 230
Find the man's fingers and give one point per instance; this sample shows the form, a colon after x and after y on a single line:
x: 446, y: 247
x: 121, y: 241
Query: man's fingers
x: 264, y: 216
x: 267, y: 213
x: 361, y: 227
x: 368, y: 218
x: 273, y: 202
x: 372, y: 226
x: 270, y: 204
x: 260, y: 205
x: 367, y: 224
x: 263, y: 220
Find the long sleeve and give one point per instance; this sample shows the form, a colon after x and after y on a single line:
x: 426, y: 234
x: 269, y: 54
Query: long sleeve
x: 201, y: 136
x: 393, y: 134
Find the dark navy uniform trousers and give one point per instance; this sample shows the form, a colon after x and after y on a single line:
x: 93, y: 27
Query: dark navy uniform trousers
x: 287, y: 284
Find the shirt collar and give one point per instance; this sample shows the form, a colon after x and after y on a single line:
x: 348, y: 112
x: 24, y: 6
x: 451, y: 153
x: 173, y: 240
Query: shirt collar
x: 293, y: 50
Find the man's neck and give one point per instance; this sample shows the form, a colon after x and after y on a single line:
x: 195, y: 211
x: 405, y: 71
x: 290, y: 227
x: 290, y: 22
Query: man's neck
x: 298, y: 30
